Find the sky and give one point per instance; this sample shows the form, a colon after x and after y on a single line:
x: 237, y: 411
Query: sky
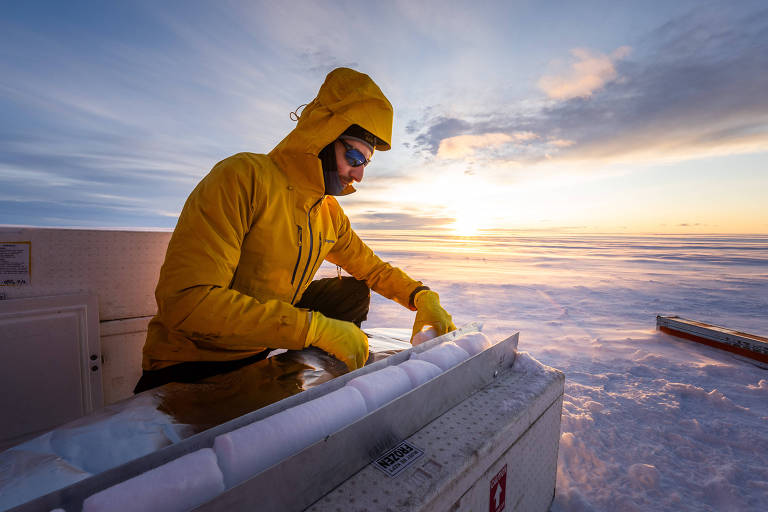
x: 574, y: 117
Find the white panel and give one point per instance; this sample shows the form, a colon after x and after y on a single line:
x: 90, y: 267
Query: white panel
x: 51, y: 366
x: 531, y: 469
x: 121, y: 267
x: 121, y: 344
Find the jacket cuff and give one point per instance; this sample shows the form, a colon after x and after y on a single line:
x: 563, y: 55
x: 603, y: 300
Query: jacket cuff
x: 411, y: 298
x: 303, y: 332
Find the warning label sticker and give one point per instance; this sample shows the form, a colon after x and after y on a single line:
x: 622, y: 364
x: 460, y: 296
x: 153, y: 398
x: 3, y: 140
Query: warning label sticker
x: 15, y: 260
x: 498, y: 490
x: 398, y: 458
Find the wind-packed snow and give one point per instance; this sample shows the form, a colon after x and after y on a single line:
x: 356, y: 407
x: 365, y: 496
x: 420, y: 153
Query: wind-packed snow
x: 650, y: 422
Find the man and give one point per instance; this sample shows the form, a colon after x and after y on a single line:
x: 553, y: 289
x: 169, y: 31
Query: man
x: 237, y: 276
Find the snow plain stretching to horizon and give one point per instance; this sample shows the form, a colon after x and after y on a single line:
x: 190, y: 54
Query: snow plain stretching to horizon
x: 650, y: 422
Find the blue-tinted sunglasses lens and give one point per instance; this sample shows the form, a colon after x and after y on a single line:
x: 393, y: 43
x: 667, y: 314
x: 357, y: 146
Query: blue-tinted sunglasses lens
x: 354, y: 157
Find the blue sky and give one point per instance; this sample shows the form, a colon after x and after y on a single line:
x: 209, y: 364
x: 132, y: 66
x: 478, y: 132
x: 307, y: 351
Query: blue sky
x: 567, y: 116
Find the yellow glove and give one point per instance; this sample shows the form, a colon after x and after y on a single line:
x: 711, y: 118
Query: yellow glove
x: 343, y: 340
x: 429, y: 312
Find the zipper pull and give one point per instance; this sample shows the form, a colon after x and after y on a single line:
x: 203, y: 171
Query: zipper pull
x: 299, y: 235
x: 338, y: 271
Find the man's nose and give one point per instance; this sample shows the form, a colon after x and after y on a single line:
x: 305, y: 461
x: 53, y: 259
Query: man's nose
x: 357, y: 173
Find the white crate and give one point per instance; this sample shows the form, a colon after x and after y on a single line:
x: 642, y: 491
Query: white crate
x: 119, y: 267
x: 513, y: 422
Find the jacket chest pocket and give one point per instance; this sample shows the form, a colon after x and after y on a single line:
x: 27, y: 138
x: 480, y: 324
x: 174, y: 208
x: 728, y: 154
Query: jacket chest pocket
x: 325, y: 243
x: 316, y: 240
x: 267, y: 260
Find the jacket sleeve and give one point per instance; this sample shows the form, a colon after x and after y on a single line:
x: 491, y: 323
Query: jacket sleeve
x: 193, y: 293
x: 354, y: 256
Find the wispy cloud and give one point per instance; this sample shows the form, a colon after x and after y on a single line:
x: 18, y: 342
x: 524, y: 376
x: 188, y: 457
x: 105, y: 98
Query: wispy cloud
x: 562, y: 143
x: 693, y: 88
x: 391, y: 221
x: 113, y: 111
x: 588, y: 73
x: 462, y: 146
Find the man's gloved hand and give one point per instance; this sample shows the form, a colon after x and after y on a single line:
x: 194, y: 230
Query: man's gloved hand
x: 429, y: 312
x: 343, y: 340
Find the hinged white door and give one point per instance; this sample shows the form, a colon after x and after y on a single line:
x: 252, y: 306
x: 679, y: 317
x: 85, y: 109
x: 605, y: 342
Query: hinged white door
x: 50, y: 363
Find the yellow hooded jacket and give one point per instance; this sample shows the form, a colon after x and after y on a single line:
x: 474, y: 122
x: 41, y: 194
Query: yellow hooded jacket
x: 254, y: 232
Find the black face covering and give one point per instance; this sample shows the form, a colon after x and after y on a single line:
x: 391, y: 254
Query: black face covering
x: 327, y: 156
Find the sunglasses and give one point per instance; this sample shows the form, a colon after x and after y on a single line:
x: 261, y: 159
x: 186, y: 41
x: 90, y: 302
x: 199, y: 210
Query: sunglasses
x: 355, y: 158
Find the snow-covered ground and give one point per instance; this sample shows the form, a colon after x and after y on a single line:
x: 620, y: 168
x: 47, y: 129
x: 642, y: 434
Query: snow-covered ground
x: 650, y: 422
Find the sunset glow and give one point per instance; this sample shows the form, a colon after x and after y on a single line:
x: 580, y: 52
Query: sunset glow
x: 637, y: 118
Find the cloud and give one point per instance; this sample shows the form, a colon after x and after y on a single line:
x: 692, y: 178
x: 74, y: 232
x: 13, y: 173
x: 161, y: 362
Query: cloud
x: 394, y: 221
x: 462, y: 146
x: 693, y: 88
x: 562, y: 143
x: 98, y: 114
x: 589, y: 73
x: 320, y: 62
x: 440, y: 128
x: 83, y: 213
x: 145, y: 103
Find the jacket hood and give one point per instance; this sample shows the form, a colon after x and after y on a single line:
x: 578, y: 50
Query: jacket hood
x: 346, y: 97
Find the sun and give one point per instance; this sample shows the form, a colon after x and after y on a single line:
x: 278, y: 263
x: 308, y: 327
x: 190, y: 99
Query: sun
x: 464, y: 225
x: 467, y: 199
x: 471, y: 216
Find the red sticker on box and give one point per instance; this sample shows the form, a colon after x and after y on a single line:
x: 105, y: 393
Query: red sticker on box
x: 498, y: 490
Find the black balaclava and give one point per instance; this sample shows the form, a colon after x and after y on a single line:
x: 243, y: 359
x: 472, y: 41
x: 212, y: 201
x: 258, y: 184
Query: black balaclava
x: 327, y: 156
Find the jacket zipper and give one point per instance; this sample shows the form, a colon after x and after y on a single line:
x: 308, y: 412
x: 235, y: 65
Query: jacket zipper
x: 309, y: 255
x: 319, y: 250
x: 298, y: 259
